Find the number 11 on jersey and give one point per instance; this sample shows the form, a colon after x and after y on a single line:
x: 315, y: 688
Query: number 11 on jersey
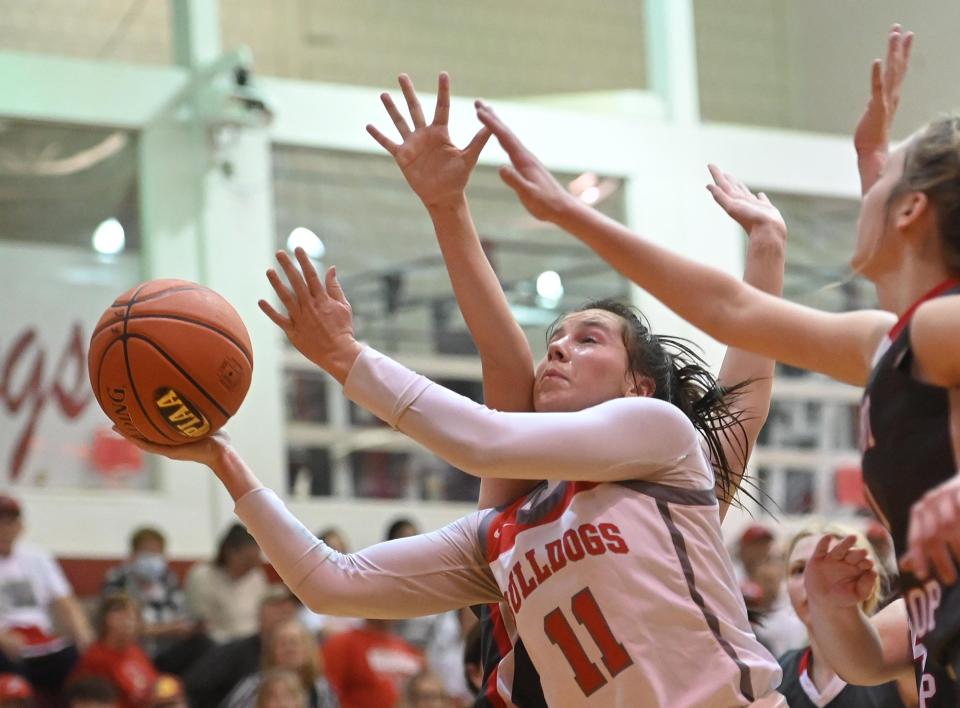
x: 586, y: 611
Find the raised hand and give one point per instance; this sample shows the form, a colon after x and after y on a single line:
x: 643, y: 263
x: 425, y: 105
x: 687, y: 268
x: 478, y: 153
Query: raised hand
x: 319, y: 320
x: 435, y: 168
x: 749, y: 210
x: 872, y: 134
x: 539, y: 192
x: 841, y: 575
x: 933, y: 538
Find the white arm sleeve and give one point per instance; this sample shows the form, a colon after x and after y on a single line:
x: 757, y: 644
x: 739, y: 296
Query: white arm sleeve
x: 409, y: 577
x: 625, y: 438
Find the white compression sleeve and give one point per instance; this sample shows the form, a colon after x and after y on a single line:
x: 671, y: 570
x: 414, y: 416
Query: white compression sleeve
x: 409, y: 577
x: 625, y: 438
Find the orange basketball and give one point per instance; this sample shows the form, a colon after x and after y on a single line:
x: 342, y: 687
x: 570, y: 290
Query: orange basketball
x: 170, y: 361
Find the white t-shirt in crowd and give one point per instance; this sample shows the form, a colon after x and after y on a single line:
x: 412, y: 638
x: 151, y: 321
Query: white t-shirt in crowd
x: 228, y: 607
x: 30, y: 579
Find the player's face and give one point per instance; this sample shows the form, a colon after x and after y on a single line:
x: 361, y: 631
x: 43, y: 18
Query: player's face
x: 586, y: 363
x: 796, y: 564
x: 873, y: 256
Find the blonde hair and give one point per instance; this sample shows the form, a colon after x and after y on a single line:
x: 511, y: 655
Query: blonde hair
x: 286, y: 679
x: 310, y: 670
x: 838, y: 531
x: 932, y: 166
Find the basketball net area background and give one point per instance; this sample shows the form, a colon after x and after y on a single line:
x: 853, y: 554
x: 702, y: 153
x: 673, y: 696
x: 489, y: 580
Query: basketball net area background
x: 52, y: 432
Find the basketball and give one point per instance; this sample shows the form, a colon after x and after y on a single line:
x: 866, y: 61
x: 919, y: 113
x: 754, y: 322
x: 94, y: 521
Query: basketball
x: 170, y: 361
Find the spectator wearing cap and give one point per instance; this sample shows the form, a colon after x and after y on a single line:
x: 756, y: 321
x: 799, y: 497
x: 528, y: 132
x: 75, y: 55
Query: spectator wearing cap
x: 91, y: 692
x: 168, y: 693
x: 226, y: 593
x: 216, y: 673
x: 15, y: 692
x: 34, y: 598
x: 147, y: 578
x: 116, y: 655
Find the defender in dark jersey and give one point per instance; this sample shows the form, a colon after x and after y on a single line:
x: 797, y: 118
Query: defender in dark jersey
x: 908, y: 245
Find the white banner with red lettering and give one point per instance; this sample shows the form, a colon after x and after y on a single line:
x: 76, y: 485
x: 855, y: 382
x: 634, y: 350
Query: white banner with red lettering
x: 52, y: 432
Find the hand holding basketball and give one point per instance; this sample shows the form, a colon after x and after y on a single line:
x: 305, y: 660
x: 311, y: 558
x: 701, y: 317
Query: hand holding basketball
x: 841, y: 576
x: 206, y: 451
x: 319, y: 321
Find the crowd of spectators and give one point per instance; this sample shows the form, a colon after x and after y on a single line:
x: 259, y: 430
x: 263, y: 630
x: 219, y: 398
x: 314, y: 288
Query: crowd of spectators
x: 224, y: 637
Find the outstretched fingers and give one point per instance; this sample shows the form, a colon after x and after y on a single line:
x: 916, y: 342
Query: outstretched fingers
x: 334, y: 289
x: 441, y: 114
x: 385, y: 142
x: 510, y: 142
x: 398, y: 120
x: 472, y: 151
x: 279, y: 320
x: 413, y: 103
x: 300, y: 290
x: 309, y: 273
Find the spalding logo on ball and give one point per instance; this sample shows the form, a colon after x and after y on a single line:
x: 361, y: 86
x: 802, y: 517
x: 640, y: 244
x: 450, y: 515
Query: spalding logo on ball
x: 170, y: 361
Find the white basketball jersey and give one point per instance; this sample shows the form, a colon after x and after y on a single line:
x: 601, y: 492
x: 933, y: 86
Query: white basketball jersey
x: 625, y: 596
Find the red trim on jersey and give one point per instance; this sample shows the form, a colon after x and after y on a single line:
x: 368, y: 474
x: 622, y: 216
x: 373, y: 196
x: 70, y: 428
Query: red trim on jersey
x: 804, y: 661
x: 504, y: 647
x: 905, y: 317
x: 508, y: 527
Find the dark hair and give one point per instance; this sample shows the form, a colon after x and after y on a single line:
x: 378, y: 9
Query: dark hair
x: 234, y: 539
x: 146, y: 533
x: 393, y: 530
x: 112, y: 602
x: 680, y: 376
x: 472, y: 655
x: 932, y: 165
x: 91, y: 688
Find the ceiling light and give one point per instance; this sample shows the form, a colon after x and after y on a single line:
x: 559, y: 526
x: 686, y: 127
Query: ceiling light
x: 302, y: 237
x: 108, y: 237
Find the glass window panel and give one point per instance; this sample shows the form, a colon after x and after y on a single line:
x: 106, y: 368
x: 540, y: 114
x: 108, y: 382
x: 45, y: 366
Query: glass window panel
x: 59, y: 185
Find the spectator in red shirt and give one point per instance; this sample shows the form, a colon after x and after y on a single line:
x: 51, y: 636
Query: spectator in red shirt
x: 116, y: 655
x: 369, y: 666
x: 15, y: 692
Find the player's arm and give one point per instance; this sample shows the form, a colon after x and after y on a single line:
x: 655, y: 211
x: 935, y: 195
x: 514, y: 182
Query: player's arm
x: 438, y: 173
x: 934, y: 531
x: 839, y: 345
x: 623, y: 438
x: 766, y: 253
x: 862, y: 650
x: 409, y: 577
x: 872, y: 135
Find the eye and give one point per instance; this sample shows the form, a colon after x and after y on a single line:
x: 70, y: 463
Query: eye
x: 797, y: 569
x: 588, y: 340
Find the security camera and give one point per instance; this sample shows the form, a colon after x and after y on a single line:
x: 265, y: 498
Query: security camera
x: 247, y: 96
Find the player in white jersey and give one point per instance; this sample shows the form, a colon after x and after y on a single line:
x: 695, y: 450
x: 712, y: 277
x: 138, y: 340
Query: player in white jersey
x: 623, y: 592
x: 438, y: 172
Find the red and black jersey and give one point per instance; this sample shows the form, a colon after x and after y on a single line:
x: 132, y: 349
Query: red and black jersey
x: 800, y: 691
x: 907, y: 450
